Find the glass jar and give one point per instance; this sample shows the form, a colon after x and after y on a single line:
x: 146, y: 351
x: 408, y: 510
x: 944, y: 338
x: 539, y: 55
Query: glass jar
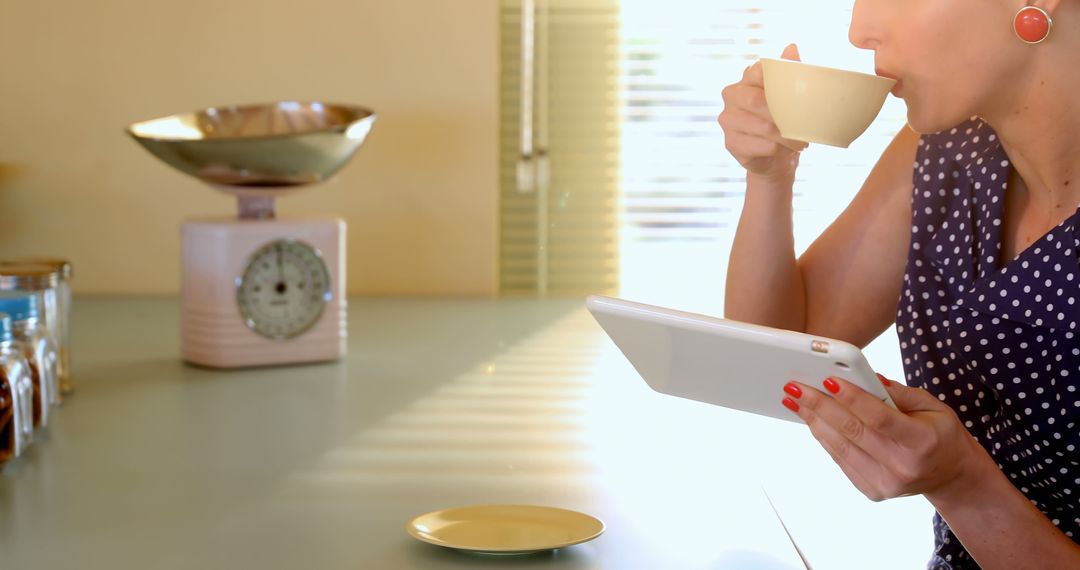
x: 61, y: 324
x: 19, y: 279
x: 16, y: 396
x: 37, y: 346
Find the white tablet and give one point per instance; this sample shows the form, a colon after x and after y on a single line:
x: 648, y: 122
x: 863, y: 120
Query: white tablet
x: 728, y: 363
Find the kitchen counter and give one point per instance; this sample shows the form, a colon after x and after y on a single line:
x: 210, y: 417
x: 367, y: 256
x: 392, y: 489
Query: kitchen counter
x: 153, y: 463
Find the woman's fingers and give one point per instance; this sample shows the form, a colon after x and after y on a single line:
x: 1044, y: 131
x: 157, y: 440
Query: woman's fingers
x: 750, y: 133
x: 840, y: 457
x: 749, y: 118
x: 743, y: 121
x: 869, y: 409
x: 911, y: 400
x: 747, y: 98
x: 824, y: 409
x: 899, y: 433
x: 797, y: 146
x: 887, y: 452
x: 754, y: 75
x: 751, y: 148
x: 859, y: 467
x: 740, y: 122
x: 791, y: 52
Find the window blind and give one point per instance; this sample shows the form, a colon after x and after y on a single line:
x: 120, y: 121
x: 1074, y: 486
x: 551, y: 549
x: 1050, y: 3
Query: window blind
x: 681, y: 191
x: 622, y: 181
x: 559, y: 147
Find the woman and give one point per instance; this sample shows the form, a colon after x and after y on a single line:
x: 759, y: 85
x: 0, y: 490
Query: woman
x: 972, y: 254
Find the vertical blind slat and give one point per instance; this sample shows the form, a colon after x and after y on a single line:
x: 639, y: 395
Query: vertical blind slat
x: 576, y: 117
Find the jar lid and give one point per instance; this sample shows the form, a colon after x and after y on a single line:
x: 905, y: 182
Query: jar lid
x: 28, y: 277
x: 60, y: 264
x: 20, y: 308
x: 5, y: 327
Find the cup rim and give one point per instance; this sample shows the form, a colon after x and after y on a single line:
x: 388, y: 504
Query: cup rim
x: 832, y: 69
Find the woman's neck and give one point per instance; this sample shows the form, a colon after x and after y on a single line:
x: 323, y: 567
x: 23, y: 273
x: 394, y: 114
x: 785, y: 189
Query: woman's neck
x: 1038, y: 123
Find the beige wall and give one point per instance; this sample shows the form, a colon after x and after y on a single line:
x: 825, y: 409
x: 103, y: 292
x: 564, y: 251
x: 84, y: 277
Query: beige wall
x: 419, y: 198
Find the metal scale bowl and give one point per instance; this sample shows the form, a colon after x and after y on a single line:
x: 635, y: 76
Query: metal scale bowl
x: 257, y: 289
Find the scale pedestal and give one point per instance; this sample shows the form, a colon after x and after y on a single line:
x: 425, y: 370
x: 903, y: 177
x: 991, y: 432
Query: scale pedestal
x: 213, y: 332
x: 257, y: 290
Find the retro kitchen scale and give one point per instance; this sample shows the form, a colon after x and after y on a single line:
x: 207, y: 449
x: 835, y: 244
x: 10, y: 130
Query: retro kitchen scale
x: 258, y: 289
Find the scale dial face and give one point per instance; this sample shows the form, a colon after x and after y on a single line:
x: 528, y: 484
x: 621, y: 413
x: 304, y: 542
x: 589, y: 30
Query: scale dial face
x: 283, y: 290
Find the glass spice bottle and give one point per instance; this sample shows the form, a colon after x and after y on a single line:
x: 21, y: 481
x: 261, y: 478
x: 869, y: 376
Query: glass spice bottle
x: 39, y: 281
x: 58, y: 313
x: 37, y: 346
x: 16, y: 396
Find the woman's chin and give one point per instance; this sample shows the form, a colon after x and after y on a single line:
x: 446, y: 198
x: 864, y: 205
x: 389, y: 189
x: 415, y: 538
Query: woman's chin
x: 928, y: 123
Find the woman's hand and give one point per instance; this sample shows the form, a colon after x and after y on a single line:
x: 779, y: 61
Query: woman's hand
x: 919, y: 448
x: 750, y: 134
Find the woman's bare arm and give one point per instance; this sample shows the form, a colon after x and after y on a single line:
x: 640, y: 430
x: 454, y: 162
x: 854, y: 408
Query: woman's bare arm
x: 847, y: 284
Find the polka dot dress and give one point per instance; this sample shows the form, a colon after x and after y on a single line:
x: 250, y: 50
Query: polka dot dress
x: 995, y: 339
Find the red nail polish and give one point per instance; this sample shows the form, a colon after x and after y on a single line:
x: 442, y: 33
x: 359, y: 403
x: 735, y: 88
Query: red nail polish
x: 793, y: 390
x: 790, y: 404
x: 832, y: 385
x: 884, y: 380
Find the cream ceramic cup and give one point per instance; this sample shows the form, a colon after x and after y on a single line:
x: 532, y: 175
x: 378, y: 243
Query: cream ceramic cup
x: 816, y: 104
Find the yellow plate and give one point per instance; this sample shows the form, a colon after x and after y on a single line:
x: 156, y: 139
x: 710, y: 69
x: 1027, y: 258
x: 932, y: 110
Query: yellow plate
x: 505, y: 529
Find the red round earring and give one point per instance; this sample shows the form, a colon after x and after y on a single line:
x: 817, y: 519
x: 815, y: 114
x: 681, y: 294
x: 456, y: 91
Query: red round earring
x: 1032, y: 24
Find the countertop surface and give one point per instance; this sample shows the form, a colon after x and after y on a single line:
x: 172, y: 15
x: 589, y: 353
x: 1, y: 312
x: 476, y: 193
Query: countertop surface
x: 153, y: 463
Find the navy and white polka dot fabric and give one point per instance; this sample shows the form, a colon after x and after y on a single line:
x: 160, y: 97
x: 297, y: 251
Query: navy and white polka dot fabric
x: 995, y: 339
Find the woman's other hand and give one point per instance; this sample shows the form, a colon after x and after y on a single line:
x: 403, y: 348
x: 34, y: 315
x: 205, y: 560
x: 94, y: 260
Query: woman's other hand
x: 918, y: 448
x: 750, y: 134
